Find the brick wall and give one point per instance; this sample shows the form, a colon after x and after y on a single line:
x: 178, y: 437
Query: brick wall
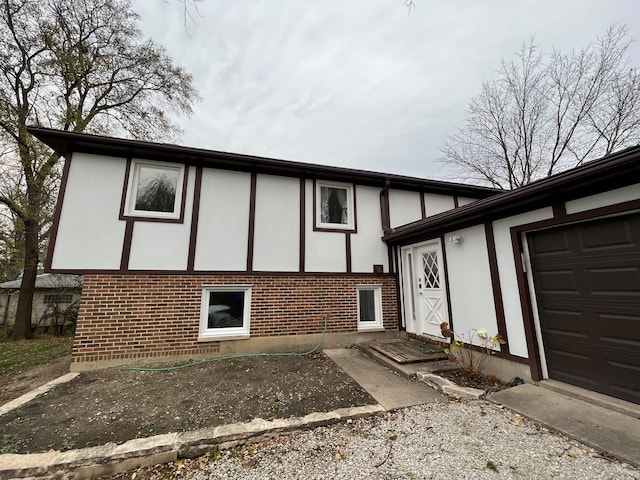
x: 143, y: 316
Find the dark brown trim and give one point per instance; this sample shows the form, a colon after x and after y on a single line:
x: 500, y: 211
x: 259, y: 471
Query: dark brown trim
x: 76, y: 271
x: 456, y: 202
x: 525, y: 304
x: 303, y: 229
x: 392, y: 265
x: 613, y: 171
x: 423, y: 206
x: 252, y: 221
x: 126, y: 245
x: 334, y: 230
x: 495, y: 286
x: 559, y: 209
x: 53, y: 236
x: 385, y: 214
x: 347, y: 240
x: 446, y: 281
x: 195, y: 216
x: 401, y: 305
x: 125, y: 187
x: 64, y: 142
x: 125, y: 190
x: 615, y: 209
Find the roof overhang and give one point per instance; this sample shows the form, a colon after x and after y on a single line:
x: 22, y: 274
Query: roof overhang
x: 610, y: 172
x: 66, y: 143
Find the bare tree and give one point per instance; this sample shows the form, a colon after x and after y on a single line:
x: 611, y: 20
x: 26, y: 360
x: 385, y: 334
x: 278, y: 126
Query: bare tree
x: 546, y: 113
x: 79, y: 65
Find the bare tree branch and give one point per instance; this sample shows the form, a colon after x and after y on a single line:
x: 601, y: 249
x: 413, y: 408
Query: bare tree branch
x: 546, y: 113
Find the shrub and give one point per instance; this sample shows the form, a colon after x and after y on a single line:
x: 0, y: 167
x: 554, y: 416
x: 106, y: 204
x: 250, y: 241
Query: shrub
x: 471, y: 358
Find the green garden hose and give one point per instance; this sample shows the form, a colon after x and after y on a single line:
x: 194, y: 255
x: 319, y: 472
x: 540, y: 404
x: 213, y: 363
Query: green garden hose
x: 239, y: 355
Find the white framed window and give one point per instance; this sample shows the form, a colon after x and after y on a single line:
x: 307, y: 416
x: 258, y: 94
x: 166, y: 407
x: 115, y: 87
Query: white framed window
x: 335, y: 206
x: 370, y: 307
x: 154, y: 190
x: 225, y: 312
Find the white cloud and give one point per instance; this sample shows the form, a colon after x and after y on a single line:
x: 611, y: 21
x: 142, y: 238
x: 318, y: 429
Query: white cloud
x: 360, y: 84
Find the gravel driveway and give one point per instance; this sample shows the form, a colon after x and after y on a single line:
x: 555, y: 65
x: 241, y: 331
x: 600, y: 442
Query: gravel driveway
x: 474, y: 440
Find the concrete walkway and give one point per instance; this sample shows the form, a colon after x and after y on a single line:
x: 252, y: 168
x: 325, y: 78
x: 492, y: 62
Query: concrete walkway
x: 602, y: 428
x: 605, y: 429
x: 605, y: 423
x: 387, y: 388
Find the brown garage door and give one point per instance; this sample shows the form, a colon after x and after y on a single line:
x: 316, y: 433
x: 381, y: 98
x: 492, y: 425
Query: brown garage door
x: 587, y: 285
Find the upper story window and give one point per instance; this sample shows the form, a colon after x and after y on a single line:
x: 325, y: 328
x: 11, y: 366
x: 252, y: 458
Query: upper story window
x: 155, y: 189
x: 335, y: 207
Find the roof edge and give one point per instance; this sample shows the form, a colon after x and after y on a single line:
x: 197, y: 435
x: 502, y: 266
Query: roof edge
x: 65, y: 143
x: 617, y: 169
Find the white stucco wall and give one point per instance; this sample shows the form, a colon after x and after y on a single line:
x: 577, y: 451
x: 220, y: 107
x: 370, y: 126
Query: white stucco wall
x: 508, y: 279
x: 324, y: 251
x: 619, y: 195
x: 163, y: 246
x: 367, y: 247
x: 472, y: 303
x: 435, y: 203
x: 90, y: 236
x: 276, y: 243
x: 404, y: 207
x: 223, y: 224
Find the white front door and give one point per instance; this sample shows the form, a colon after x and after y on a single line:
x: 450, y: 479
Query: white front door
x: 431, y: 302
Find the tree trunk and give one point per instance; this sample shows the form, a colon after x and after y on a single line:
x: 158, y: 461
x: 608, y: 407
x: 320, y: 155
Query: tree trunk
x: 22, y: 325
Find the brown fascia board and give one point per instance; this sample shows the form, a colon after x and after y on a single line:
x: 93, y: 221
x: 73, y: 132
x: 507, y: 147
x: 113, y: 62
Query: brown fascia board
x: 607, y: 173
x: 65, y: 143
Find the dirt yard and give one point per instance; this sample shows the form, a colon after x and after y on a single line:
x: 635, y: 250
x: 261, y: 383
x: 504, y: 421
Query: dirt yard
x: 116, y: 405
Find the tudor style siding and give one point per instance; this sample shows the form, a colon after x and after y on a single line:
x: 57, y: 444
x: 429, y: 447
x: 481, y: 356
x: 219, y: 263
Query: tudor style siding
x: 278, y: 235
x: 89, y: 232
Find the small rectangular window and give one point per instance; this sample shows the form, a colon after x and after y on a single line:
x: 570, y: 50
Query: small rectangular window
x: 154, y: 190
x: 370, y: 307
x: 225, y: 311
x: 56, y: 299
x: 335, y: 206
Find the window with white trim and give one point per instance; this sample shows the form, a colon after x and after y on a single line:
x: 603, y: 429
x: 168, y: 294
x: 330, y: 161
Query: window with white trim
x: 225, y: 311
x: 334, y: 206
x: 370, y: 307
x: 154, y: 190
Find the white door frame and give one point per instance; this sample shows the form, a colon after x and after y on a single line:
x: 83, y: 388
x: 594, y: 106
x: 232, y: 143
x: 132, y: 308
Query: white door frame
x: 413, y: 289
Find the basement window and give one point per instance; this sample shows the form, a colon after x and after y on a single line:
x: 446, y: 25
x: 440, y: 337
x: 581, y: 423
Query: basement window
x: 370, y: 307
x: 154, y: 190
x: 225, y: 312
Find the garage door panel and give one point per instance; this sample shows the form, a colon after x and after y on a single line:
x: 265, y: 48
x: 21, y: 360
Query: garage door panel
x: 563, y: 282
x: 589, y: 303
x: 566, y: 322
x: 614, y: 279
x: 607, y: 235
x: 554, y: 245
x: 623, y: 329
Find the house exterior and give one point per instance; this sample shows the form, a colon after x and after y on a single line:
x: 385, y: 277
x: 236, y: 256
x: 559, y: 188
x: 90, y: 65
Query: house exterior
x: 53, y: 296
x: 190, y: 253
x: 553, y: 267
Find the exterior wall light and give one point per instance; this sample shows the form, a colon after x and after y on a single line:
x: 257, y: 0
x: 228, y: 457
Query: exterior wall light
x: 455, y: 239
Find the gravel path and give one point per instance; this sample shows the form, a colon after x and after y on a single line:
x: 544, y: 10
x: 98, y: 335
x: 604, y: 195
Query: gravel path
x: 449, y: 440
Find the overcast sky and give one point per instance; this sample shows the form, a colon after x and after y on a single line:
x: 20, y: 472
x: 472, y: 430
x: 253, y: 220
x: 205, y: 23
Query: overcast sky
x: 360, y: 84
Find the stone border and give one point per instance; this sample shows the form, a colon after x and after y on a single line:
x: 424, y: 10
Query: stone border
x: 109, y: 459
x: 27, y: 397
x: 450, y: 388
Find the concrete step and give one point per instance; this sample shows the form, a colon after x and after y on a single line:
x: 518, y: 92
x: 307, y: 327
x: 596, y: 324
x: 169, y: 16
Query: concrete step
x: 408, y: 370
